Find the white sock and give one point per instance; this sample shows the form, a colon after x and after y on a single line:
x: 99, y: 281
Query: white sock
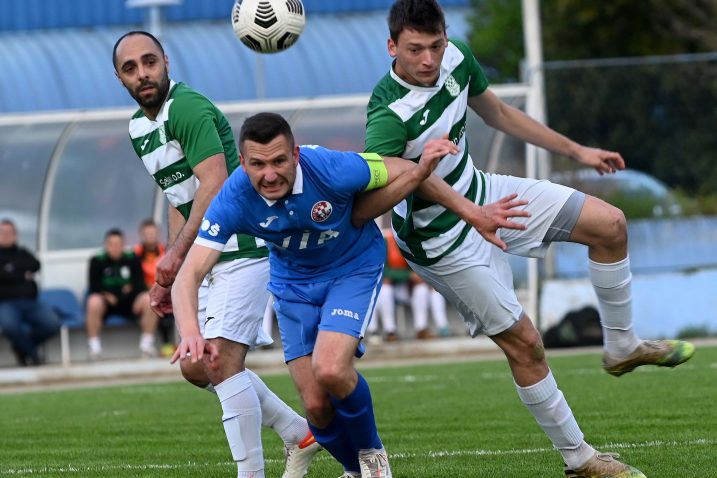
x: 438, y: 310
x: 95, y: 345
x: 146, y: 341
x: 277, y: 415
x: 612, y: 285
x: 419, y: 306
x: 552, y: 412
x: 386, y: 306
x: 242, y: 424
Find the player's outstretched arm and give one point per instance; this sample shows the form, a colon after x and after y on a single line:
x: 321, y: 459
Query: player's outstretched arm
x: 403, y: 178
x: 501, y: 116
x: 211, y: 173
x: 199, y: 261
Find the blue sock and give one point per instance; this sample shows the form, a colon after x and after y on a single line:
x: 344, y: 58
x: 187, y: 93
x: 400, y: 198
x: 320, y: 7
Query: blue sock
x: 356, y: 411
x: 335, y: 439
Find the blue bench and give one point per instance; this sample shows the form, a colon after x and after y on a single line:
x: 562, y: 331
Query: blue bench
x: 72, y: 316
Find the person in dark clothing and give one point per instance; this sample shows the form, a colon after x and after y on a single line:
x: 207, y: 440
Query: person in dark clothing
x: 116, y: 286
x: 24, y: 320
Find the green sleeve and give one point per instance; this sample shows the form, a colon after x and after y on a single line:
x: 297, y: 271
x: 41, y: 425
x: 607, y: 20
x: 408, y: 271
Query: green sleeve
x: 193, y: 123
x: 385, y: 132
x: 379, y: 173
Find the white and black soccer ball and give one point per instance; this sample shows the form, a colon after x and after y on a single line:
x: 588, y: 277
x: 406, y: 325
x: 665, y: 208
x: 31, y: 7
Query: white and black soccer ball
x: 268, y: 26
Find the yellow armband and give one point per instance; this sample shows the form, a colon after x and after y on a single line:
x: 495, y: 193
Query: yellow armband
x: 379, y: 173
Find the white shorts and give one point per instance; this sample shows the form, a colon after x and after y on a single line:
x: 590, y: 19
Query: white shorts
x: 232, y: 301
x: 476, y: 278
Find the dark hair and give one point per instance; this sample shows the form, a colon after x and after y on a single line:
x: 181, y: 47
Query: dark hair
x: 264, y: 127
x: 134, y: 32
x: 114, y: 232
x: 147, y: 222
x: 425, y: 16
x: 7, y: 222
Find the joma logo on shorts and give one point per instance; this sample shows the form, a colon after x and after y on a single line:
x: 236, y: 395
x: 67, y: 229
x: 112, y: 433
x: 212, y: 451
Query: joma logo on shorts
x: 345, y: 313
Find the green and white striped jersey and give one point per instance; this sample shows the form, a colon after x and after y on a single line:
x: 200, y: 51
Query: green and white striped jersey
x: 401, y: 119
x: 188, y: 130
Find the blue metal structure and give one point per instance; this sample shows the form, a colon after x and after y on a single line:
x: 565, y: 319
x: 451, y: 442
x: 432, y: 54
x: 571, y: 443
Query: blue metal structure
x: 18, y: 15
x: 71, y: 69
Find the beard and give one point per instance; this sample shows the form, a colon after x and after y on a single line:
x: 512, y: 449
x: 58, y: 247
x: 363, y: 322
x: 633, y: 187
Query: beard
x: 155, y: 100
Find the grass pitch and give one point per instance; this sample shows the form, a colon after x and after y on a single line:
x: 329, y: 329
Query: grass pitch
x: 448, y: 420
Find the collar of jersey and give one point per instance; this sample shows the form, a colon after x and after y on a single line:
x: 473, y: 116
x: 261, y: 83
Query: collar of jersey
x: 298, y: 186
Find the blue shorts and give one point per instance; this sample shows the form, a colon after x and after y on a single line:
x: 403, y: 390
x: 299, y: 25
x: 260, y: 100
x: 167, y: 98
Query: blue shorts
x: 343, y: 305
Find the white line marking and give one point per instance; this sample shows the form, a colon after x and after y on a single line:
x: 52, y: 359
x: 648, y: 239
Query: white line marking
x: 324, y: 456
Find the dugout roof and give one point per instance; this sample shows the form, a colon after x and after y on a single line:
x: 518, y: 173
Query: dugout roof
x: 71, y: 69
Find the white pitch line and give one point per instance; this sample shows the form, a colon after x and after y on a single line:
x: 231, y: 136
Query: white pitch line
x: 400, y: 456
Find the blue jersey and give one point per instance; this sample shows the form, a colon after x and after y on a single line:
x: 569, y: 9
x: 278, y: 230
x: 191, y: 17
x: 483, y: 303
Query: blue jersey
x: 309, y: 232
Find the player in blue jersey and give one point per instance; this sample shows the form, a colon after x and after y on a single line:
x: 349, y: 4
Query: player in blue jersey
x: 325, y: 273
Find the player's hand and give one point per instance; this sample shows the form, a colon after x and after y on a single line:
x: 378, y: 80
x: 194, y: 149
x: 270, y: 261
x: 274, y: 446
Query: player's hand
x: 194, y: 348
x: 160, y: 300
x: 491, y: 217
x: 433, y: 151
x: 604, y: 162
x: 110, y: 298
x: 168, y: 266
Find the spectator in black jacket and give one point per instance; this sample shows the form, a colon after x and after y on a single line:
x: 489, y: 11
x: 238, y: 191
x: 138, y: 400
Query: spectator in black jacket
x: 116, y: 286
x: 26, y: 322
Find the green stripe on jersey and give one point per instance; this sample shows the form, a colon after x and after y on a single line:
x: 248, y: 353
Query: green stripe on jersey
x: 415, y: 115
x: 187, y: 130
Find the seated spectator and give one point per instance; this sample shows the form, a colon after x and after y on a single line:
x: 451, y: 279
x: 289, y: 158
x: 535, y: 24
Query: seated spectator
x: 150, y: 251
x: 25, y: 322
x: 116, y: 286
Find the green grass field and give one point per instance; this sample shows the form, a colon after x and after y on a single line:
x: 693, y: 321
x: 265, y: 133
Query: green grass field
x: 448, y: 420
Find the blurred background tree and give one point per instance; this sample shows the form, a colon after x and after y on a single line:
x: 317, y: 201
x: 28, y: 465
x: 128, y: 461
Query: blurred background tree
x: 658, y: 112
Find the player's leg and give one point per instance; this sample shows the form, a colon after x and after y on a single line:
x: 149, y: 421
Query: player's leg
x: 241, y: 415
x: 346, y: 310
x: 148, y: 322
x: 603, y: 229
x: 235, y: 309
x: 298, y: 325
x: 95, y: 310
x: 485, y: 298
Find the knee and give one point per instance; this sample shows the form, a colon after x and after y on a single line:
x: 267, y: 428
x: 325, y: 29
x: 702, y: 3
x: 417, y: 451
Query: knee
x: 95, y: 304
x: 329, y: 375
x: 613, y: 227
x: 194, y: 374
x: 530, y: 350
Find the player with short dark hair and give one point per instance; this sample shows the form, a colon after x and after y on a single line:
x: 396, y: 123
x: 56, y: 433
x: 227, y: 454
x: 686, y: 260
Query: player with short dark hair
x: 325, y: 272
x: 187, y: 145
x: 431, y: 83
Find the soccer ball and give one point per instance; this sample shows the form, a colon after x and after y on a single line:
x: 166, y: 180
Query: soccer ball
x: 268, y: 26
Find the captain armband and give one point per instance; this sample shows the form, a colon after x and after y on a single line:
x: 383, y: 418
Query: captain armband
x: 379, y: 173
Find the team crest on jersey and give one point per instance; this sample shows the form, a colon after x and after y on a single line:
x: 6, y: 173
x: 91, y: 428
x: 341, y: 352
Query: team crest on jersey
x: 163, y: 134
x: 321, y: 211
x: 452, y: 86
